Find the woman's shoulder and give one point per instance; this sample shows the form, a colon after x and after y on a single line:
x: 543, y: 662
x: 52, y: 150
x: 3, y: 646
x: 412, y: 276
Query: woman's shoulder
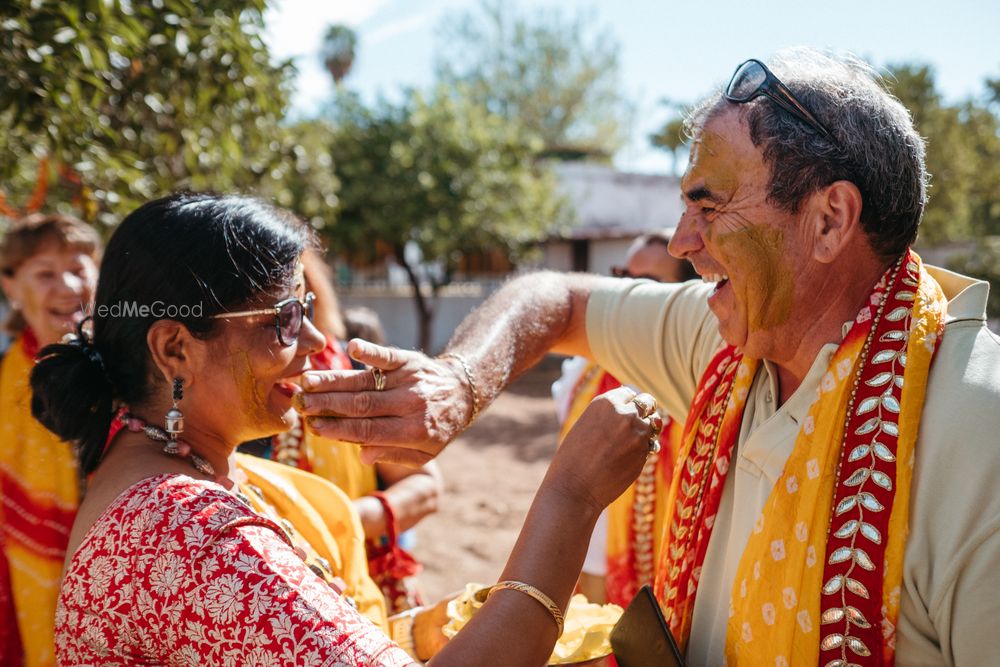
x: 186, y: 511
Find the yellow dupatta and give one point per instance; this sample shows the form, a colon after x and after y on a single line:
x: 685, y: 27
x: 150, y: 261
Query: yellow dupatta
x: 40, y: 492
x: 325, y: 519
x: 340, y: 462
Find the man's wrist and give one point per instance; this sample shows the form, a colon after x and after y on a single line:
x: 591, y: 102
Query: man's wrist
x: 576, y: 499
x: 465, y: 372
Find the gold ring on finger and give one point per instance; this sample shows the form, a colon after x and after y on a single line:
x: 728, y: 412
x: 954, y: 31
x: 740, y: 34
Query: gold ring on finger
x: 645, y: 404
x: 379, y: 378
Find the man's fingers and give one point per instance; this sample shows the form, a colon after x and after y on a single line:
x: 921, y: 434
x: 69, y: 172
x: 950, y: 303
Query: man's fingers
x: 313, y: 381
x: 379, y: 356
x: 358, y: 403
x: 381, y: 431
x: 408, y: 457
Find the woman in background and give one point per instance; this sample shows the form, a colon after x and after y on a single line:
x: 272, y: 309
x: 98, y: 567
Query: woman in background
x: 48, y: 269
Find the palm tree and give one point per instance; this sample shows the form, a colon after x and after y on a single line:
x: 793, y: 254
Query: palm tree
x: 338, y: 51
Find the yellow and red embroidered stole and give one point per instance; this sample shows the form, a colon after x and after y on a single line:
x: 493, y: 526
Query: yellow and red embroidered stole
x: 843, y: 495
x: 39, y: 490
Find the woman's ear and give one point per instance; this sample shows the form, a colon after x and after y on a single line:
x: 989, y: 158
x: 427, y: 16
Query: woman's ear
x: 12, y: 290
x: 174, y: 350
x: 836, y: 216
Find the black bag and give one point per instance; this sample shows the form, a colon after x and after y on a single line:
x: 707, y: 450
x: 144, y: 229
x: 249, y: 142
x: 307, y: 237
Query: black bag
x: 641, y: 637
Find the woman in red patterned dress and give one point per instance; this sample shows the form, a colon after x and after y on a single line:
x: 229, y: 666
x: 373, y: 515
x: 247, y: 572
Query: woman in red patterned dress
x: 201, y: 316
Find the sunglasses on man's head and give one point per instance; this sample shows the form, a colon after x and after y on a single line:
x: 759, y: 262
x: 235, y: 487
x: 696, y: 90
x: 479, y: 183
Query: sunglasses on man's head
x: 753, y: 79
x: 288, y: 316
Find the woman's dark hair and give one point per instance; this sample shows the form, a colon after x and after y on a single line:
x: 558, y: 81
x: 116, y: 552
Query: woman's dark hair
x: 185, y: 258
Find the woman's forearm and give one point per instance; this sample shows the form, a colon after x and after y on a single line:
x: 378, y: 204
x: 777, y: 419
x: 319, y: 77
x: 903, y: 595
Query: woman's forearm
x: 512, y: 628
x: 411, y: 493
x: 412, y: 498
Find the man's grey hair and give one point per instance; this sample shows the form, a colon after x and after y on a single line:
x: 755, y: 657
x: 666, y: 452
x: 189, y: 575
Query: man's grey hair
x: 878, y: 149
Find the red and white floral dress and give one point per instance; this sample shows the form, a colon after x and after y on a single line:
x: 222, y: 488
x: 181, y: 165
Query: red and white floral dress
x: 180, y: 572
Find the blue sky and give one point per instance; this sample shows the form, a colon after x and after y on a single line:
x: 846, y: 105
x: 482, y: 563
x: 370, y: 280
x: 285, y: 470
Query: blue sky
x: 668, y: 49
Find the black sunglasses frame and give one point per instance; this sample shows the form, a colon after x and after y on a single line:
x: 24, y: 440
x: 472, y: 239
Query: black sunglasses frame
x: 305, y: 304
x: 774, y: 89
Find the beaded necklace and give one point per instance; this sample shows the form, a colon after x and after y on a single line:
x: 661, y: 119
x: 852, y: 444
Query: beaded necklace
x: 156, y: 434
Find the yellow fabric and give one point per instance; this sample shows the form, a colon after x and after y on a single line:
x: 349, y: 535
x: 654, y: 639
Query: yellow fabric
x: 45, y: 472
x: 584, y: 392
x: 326, y: 519
x: 774, y: 623
x: 340, y: 462
x: 679, y: 537
x: 620, y: 511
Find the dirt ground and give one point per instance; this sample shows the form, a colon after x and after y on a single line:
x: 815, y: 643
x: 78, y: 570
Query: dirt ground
x: 491, y: 473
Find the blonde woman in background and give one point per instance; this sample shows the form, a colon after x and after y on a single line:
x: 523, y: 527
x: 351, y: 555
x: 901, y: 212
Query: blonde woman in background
x: 48, y: 265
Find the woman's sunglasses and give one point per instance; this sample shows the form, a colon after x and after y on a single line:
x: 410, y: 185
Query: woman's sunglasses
x: 753, y: 79
x: 288, y: 315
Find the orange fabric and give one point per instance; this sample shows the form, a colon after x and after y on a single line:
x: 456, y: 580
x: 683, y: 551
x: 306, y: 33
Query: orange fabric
x: 326, y: 519
x: 630, y: 524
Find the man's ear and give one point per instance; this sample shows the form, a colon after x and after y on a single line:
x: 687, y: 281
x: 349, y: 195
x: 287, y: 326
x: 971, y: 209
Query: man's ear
x: 174, y: 350
x: 835, y: 213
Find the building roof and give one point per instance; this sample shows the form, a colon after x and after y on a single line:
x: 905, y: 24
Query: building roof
x: 614, y: 204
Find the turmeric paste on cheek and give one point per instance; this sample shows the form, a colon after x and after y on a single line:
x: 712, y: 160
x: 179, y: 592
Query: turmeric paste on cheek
x: 248, y: 387
x: 763, y: 280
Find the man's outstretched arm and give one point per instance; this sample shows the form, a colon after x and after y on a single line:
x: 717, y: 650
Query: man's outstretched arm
x: 426, y: 402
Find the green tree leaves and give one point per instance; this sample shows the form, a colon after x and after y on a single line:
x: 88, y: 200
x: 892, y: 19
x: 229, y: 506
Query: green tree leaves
x: 554, y: 75
x: 134, y: 100
x: 440, y: 172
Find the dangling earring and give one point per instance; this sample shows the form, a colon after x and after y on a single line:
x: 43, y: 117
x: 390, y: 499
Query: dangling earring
x: 174, y: 425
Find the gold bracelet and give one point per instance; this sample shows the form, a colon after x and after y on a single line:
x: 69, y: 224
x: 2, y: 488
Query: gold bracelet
x: 541, y: 597
x: 401, y: 630
x: 472, y: 382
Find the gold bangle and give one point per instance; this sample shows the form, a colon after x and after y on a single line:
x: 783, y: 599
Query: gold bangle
x: 472, y: 382
x: 541, y: 597
x: 401, y: 630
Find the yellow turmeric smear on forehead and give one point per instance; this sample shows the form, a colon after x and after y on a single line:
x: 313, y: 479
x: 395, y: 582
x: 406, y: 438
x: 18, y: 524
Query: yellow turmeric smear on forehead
x: 712, y: 164
x: 248, y: 387
x: 755, y: 256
